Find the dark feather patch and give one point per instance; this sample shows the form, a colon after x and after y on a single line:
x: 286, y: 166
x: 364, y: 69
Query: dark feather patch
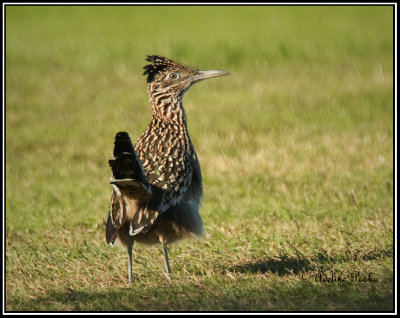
x: 123, y: 143
x: 126, y: 163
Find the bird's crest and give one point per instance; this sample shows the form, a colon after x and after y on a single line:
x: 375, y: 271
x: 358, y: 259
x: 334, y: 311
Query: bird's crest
x: 159, y: 64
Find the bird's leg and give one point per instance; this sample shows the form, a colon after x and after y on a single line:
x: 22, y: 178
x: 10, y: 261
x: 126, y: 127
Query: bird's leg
x: 129, y: 246
x: 165, y: 252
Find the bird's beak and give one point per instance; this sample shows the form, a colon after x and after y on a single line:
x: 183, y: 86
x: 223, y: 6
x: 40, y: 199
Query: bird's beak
x: 202, y: 75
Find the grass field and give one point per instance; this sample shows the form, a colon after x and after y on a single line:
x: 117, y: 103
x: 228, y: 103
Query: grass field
x: 296, y: 149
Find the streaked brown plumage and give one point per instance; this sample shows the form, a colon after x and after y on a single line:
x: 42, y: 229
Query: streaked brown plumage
x: 157, y: 183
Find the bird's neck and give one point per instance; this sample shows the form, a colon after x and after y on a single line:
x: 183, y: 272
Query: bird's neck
x: 167, y: 107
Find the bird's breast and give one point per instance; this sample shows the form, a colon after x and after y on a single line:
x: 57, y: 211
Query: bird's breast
x: 166, y: 155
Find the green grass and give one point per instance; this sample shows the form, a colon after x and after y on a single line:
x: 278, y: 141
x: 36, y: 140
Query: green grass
x: 296, y: 149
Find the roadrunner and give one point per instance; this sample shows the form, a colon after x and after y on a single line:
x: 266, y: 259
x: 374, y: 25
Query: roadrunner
x: 157, y: 183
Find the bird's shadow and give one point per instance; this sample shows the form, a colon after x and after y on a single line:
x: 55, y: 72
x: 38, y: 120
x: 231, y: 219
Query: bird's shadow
x: 284, y: 265
x: 287, y: 264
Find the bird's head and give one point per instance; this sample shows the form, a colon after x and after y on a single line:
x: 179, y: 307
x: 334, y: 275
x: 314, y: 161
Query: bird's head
x: 165, y: 75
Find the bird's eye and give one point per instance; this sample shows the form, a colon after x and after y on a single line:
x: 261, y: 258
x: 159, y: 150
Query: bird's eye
x: 173, y: 76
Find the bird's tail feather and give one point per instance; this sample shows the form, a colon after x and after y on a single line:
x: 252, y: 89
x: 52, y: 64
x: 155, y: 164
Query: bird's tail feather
x: 123, y: 143
x: 131, y: 191
x: 126, y: 164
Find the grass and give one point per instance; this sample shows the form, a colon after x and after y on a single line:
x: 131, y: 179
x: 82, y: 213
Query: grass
x: 296, y: 149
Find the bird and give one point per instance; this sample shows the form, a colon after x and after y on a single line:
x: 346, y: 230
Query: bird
x: 157, y: 182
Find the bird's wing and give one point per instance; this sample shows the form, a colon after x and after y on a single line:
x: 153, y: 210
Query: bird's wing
x: 171, y: 179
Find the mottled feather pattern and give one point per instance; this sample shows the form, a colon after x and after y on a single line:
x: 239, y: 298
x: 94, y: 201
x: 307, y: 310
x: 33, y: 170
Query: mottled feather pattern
x: 165, y: 148
x: 157, y: 182
x: 163, y: 157
x: 166, y: 156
